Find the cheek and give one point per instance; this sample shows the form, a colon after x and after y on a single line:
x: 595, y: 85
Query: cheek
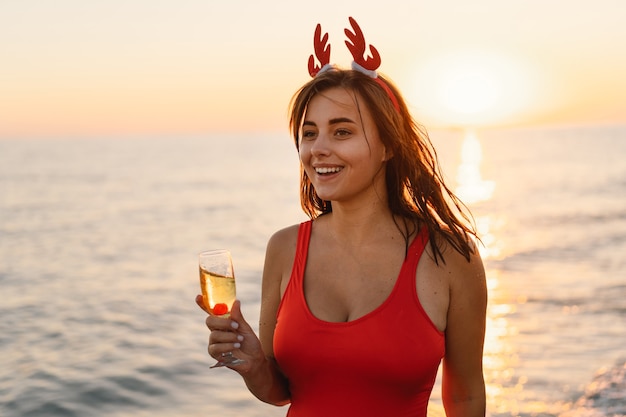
x: 305, y: 159
x: 303, y: 154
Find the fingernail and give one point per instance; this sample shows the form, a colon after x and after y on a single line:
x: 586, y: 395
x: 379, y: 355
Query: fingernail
x: 234, y: 325
x: 237, y: 345
x: 240, y: 338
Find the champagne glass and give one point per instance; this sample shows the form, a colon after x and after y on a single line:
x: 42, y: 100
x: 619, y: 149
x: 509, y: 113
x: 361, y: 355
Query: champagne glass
x: 217, y: 282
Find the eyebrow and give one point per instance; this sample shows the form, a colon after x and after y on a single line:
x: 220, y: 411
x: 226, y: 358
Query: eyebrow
x: 331, y: 121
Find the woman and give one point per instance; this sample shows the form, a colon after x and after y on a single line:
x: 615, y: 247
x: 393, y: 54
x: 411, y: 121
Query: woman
x: 360, y: 304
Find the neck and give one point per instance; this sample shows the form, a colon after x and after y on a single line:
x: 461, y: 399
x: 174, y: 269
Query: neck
x: 363, y: 216
x: 356, y: 225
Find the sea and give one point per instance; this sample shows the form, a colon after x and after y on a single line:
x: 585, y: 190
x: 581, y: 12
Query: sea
x: 99, y: 239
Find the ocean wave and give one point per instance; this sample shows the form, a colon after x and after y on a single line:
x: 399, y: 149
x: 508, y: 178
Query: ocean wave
x: 605, y: 396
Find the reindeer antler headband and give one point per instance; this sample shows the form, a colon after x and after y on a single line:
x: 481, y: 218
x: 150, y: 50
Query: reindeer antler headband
x: 356, y: 44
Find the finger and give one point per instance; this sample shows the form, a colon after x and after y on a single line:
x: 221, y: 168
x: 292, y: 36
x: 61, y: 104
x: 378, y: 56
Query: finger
x: 219, y: 323
x: 250, y: 344
x: 236, y: 316
x: 215, y: 348
x: 200, y: 302
x: 225, y: 337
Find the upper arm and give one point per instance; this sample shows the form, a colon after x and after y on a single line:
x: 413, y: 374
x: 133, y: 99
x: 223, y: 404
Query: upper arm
x: 463, y: 382
x: 279, y: 257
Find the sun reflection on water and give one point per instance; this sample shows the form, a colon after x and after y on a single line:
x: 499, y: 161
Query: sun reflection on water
x: 473, y: 189
x: 471, y: 186
x: 504, y: 385
x: 501, y: 358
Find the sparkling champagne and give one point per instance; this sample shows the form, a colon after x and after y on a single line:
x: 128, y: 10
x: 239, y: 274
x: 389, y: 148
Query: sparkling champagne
x: 218, y: 292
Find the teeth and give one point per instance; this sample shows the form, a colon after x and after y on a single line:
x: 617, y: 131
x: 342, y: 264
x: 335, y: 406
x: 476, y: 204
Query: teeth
x: 327, y: 170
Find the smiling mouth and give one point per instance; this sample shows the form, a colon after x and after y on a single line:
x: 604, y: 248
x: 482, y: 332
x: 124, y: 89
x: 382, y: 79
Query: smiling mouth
x: 326, y: 170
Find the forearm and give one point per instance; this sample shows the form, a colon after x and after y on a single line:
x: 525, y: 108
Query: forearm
x: 267, y: 383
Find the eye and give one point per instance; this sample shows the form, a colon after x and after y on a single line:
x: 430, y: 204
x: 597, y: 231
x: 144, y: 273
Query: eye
x: 342, y: 133
x: 309, y: 134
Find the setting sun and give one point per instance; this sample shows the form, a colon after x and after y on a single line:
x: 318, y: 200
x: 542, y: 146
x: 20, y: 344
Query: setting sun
x: 473, y: 88
x: 469, y: 90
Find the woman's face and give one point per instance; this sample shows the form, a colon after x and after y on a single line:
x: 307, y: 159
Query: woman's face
x: 340, y: 148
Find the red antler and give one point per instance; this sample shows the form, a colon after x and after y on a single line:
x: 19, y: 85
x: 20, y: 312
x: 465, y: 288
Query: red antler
x: 357, y: 48
x: 322, y: 51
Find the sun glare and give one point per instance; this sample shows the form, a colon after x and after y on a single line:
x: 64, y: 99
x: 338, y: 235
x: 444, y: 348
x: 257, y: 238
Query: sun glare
x: 471, y: 88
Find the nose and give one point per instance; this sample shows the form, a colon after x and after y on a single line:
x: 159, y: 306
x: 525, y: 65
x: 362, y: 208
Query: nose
x: 321, y: 145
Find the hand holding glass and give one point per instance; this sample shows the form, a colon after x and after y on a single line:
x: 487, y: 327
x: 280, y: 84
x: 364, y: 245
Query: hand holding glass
x: 217, y: 282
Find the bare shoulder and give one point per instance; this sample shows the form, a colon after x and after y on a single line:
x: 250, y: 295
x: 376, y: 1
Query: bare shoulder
x: 466, y: 276
x: 279, y: 256
x: 286, y: 236
x: 446, y: 286
x: 281, y: 246
x: 459, y: 268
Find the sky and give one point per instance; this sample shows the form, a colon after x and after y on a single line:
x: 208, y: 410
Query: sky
x: 144, y: 67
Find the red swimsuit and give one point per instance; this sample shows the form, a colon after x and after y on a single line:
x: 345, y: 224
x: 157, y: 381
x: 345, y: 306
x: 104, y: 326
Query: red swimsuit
x: 382, y: 364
